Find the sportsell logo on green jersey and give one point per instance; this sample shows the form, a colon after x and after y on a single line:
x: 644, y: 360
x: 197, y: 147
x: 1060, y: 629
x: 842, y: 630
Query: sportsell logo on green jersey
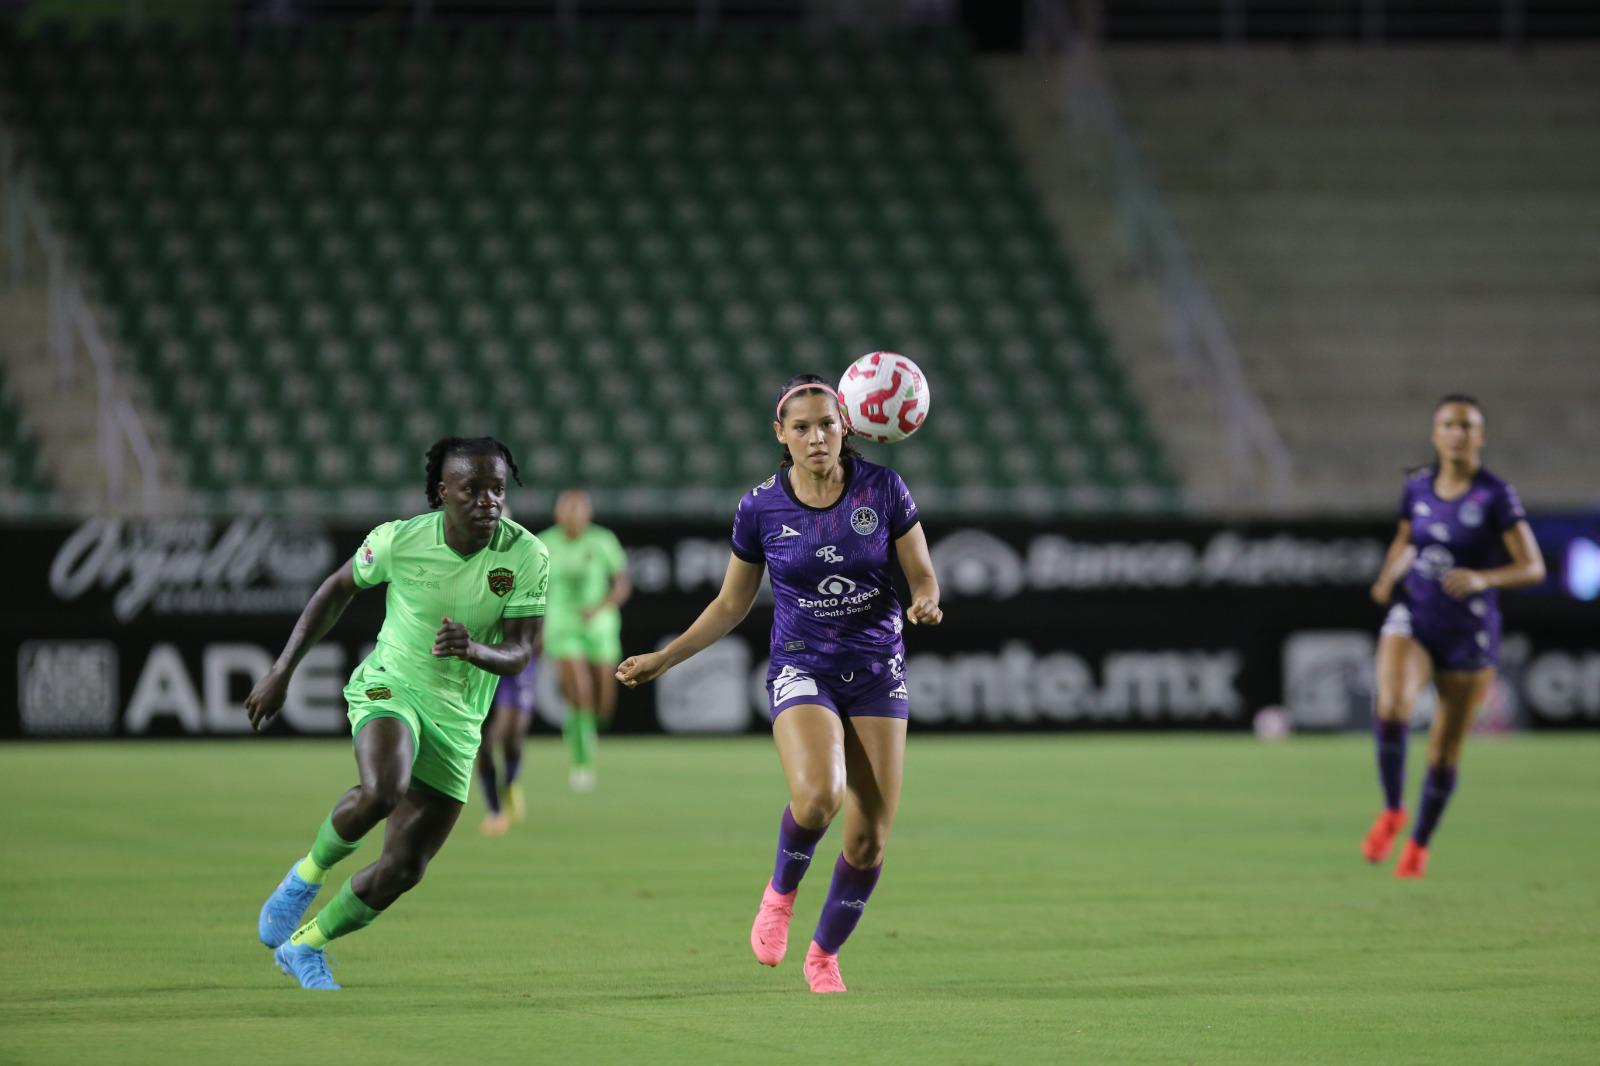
x: 501, y: 580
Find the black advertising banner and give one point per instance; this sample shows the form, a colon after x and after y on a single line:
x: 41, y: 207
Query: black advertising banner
x: 159, y: 628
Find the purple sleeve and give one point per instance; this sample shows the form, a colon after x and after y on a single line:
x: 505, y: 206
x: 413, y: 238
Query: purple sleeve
x: 1505, y: 510
x: 901, y: 508
x: 747, y: 531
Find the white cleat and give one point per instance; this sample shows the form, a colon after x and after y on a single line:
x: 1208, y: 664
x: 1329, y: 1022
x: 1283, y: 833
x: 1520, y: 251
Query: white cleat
x: 582, y: 780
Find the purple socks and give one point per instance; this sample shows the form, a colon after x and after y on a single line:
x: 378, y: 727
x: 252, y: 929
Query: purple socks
x: 795, y: 845
x: 1436, y: 791
x: 491, y: 794
x: 1391, y: 743
x: 847, y: 899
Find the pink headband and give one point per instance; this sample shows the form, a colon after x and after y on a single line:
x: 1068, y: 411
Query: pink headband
x: 802, y: 388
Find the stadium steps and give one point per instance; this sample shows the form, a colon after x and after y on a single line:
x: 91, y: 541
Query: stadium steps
x: 322, y: 251
x: 1381, y: 227
x: 1029, y: 95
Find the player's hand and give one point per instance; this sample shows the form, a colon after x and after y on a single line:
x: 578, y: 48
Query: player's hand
x: 1382, y: 592
x: 638, y: 669
x: 924, y: 611
x: 266, y: 699
x: 1464, y: 583
x: 452, y: 641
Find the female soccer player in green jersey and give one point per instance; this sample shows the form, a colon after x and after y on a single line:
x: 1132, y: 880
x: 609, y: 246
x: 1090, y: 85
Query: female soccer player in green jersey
x: 583, y: 628
x: 466, y: 590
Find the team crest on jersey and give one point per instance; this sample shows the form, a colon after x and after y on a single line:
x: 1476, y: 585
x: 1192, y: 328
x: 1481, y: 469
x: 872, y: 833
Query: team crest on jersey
x: 767, y: 484
x: 379, y: 692
x: 501, y: 580
x: 864, y: 520
x: 1471, y: 514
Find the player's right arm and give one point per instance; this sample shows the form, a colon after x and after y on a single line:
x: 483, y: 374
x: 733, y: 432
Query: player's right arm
x: 319, y: 616
x: 369, y: 567
x: 1396, y: 562
x: 739, y: 587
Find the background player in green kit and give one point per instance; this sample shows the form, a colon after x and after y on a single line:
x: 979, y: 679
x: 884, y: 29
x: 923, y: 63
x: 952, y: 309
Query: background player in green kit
x: 466, y: 588
x: 583, y: 628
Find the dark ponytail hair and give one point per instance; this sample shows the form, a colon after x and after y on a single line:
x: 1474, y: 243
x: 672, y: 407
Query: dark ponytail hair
x: 1471, y: 401
x: 848, y: 451
x: 445, y: 447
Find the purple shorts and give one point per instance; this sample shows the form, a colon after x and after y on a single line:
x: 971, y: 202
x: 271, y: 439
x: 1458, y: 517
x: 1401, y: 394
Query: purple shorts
x: 1451, y: 648
x: 518, y: 690
x: 876, y: 691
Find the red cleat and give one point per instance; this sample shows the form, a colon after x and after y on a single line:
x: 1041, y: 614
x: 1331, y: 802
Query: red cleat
x: 1413, y: 860
x: 1380, y: 838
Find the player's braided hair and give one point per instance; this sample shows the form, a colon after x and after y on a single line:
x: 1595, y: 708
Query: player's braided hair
x: 447, y: 446
x: 848, y: 450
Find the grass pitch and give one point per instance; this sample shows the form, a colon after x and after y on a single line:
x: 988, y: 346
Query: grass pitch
x: 1059, y: 899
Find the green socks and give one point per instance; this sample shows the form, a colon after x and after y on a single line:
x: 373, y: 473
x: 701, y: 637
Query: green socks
x: 345, y: 913
x: 582, y: 737
x: 326, y: 851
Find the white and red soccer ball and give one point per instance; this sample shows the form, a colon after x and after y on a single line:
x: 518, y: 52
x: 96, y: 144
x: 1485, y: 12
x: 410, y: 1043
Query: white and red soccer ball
x: 885, y: 397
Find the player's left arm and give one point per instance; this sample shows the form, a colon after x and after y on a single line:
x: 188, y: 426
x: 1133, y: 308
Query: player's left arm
x: 912, y: 550
x: 510, y: 656
x: 1526, y: 567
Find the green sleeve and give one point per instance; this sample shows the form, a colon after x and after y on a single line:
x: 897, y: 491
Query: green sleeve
x: 528, y: 596
x: 371, y: 563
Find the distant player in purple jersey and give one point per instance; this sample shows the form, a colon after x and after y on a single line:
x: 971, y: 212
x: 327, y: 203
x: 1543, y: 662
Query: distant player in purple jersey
x: 828, y: 526
x: 1463, y: 535
x: 504, y: 729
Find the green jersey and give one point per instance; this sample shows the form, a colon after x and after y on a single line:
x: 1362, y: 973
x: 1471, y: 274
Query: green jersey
x: 429, y: 580
x: 581, y: 570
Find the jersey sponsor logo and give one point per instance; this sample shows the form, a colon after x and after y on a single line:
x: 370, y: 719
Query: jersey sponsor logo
x: 791, y: 683
x: 1398, y: 621
x: 1438, y: 531
x: 829, y: 553
x: 1421, y: 510
x: 788, y: 532
x: 1471, y: 514
x: 378, y: 692
x: 365, y: 556
x: 1434, y: 561
x: 836, y: 585
x: 864, y: 520
x: 794, y: 645
x: 501, y: 580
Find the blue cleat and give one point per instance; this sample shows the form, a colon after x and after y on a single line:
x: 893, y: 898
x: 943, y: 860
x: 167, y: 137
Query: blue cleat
x: 281, y: 914
x: 307, y: 965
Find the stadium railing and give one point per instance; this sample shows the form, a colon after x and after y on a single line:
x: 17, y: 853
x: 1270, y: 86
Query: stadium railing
x: 75, y: 343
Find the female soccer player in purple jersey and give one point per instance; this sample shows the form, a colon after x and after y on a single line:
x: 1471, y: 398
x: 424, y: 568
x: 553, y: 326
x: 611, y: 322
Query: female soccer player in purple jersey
x: 828, y: 525
x: 1463, y: 535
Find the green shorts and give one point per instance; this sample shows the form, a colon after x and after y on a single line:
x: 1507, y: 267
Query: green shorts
x: 597, y: 641
x: 443, y: 745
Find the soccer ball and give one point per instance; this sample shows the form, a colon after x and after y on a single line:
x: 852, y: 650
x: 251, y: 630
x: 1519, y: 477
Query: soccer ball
x: 885, y: 397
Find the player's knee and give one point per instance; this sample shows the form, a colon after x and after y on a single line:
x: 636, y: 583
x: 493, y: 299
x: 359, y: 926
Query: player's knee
x: 816, y: 802
x: 864, y: 849
x: 1392, y: 707
x: 381, y: 797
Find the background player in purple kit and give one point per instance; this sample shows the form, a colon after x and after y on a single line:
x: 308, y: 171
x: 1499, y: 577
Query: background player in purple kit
x: 503, y: 730
x: 1462, y: 536
x: 829, y: 526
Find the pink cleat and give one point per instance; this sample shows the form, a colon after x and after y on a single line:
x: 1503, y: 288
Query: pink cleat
x: 822, y: 970
x: 769, y: 937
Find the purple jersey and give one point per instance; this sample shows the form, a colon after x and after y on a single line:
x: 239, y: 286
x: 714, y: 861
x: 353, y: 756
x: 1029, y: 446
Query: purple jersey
x: 834, y: 607
x: 1463, y: 533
